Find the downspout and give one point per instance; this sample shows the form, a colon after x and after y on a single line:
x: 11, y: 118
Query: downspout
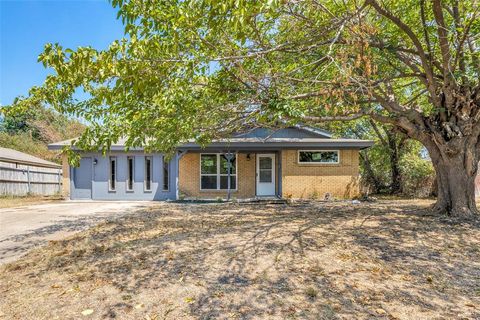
x: 229, y: 156
x: 178, y: 155
x: 279, y: 173
x: 72, y: 183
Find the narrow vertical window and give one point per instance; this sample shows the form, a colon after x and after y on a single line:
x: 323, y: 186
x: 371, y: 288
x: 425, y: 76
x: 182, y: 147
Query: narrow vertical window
x: 166, y: 175
x: 130, y: 173
x: 148, y: 174
x: 113, y: 174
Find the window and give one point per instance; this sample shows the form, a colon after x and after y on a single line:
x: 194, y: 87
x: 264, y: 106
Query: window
x: 148, y: 174
x: 130, y: 173
x: 318, y: 156
x: 265, y: 169
x: 166, y: 175
x: 113, y: 174
x: 214, y: 172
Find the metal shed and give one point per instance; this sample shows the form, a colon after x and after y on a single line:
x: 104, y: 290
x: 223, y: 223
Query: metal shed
x: 23, y: 174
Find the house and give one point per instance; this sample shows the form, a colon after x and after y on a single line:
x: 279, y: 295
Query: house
x: 297, y: 162
x: 23, y: 174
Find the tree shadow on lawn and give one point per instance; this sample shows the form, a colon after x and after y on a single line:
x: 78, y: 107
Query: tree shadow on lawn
x: 307, y: 260
x: 20, y: 243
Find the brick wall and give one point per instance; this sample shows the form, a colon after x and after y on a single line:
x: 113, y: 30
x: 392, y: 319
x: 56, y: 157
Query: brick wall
x: 298, y: 180
x: 314, y: 180
x: 189, y: 178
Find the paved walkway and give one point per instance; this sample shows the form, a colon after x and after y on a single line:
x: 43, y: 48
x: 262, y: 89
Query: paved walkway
x: 23, y: 228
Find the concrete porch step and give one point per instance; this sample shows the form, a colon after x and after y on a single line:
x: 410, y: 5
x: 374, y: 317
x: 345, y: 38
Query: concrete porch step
x: 269, y: 200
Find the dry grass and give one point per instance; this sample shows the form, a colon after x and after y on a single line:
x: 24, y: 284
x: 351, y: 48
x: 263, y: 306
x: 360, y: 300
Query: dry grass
x: 386, y: 260
x: 11, y: 201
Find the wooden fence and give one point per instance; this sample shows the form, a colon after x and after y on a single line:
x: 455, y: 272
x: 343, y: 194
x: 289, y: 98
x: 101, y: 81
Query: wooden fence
x: 19, y: 179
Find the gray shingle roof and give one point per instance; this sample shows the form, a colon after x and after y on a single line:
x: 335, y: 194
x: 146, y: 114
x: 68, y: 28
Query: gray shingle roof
x: 261, y: 139
x: 10, y: 155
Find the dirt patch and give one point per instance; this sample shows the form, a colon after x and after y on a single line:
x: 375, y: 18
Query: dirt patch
x: 387, y: 260
x: 11, y: 201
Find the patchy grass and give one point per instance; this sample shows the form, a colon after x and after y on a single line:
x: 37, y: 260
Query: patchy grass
x: 19, y: 201
x: 386, y: 260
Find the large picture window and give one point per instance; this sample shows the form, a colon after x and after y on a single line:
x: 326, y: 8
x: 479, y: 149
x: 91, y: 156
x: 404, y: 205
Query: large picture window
x: 327, y: 156
x: 214, y: 172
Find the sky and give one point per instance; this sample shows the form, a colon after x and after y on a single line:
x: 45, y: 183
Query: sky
x: 27, y: 25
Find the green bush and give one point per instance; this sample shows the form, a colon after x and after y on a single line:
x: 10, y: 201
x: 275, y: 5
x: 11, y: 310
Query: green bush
x: 418, y: 176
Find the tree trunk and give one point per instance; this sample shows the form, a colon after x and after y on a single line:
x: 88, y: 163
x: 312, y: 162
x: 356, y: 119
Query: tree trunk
x: 370, y: 176
x: 396, y: 184
x: 455, y: 185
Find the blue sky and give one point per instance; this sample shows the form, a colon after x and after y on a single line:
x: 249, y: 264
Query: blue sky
x: 27, y: 25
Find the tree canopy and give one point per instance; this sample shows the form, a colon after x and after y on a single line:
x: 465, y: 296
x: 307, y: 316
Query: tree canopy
x: 199, y: 69
x: 32, y: 129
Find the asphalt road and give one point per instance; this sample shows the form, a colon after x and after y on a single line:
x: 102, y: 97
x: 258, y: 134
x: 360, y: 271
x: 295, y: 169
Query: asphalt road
x: 26, y: 227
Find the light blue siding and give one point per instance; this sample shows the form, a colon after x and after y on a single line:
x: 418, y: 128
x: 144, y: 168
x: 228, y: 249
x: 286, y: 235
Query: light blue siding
x: 100, y: 173
x: 81, y: 179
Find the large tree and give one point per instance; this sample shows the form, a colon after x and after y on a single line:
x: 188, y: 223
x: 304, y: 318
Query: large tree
x: 381, y: 164
x: 199, y: 68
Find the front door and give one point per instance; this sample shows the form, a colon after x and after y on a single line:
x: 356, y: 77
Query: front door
x: 265, y: 174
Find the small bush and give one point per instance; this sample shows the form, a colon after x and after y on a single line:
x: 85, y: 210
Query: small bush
x: 311, y: 292
x: 418, y: 177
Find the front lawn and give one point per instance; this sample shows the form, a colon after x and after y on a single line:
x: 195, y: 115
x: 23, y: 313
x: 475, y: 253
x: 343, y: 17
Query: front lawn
x: 20, y: 201
x: 389, y: 259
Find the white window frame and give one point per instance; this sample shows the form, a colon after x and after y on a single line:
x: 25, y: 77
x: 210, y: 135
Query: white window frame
x: 145, y: 174
x: 127, y: 180
x: 318, y: 163
x: 164, y: 162
x: 110, y: 173
x: 218, y: 174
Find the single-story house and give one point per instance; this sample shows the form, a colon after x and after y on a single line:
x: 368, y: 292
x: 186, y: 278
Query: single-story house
x: 293, y: 162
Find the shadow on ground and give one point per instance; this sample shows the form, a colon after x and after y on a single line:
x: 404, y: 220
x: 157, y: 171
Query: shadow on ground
x: 308, y: 260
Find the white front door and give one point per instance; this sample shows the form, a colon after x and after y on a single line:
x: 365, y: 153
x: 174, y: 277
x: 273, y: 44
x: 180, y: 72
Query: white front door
x: 265, y: 174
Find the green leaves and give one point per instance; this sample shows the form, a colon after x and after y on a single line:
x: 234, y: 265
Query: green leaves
x: 198, y: 69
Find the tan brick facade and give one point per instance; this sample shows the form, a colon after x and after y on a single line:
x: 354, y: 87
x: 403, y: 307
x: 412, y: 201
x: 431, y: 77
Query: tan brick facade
x: 189, y: 178
x: 298, y: 180
x: 315, y: 180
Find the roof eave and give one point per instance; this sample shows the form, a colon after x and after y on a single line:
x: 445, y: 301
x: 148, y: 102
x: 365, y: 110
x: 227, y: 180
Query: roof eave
x: 31, y: 163
x: 258, y: 145
x: 283, y: 145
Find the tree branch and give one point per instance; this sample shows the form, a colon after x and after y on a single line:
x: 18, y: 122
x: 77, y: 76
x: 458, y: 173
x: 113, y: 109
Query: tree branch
x: 443, y: 39
x: 431, y: 84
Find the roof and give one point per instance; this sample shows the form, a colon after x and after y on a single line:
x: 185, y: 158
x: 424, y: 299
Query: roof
x: 261, y: 139
x: 280, y: 143
x: 10, y: 155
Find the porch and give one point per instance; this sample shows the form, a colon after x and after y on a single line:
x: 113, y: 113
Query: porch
x: 229, y: 174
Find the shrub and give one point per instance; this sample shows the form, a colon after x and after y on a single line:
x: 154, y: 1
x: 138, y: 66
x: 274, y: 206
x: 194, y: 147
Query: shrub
x: 418, y: 176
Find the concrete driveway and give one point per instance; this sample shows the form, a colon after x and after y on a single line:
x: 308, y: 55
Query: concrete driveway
x: 23, y: 228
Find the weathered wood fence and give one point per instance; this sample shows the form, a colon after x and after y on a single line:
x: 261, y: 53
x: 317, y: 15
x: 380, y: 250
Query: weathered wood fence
x: 20, y: 179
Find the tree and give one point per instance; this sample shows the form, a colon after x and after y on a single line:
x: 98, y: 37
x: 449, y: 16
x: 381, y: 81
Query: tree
x: 380, y: 163
x: 394, y: 164
x: 31, y: 130
x: 198, y: 69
